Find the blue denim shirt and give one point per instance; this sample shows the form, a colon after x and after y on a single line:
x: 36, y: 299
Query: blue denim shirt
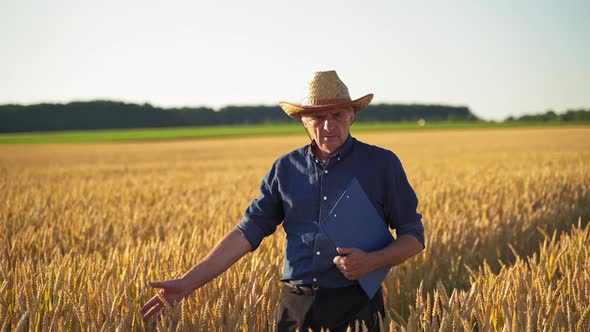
x: 299, y: 191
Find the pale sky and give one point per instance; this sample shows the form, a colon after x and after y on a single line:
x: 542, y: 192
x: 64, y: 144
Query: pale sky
x: 501, y: 58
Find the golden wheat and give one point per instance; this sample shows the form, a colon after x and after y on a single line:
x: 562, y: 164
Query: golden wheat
x: 522, y: 296
x: 85, y: 226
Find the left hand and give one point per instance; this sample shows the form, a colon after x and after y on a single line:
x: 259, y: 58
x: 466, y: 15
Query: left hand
x: 354, y: 263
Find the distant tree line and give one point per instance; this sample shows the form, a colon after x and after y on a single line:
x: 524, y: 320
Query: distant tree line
x: 103, y: 114
x: 577, y: 115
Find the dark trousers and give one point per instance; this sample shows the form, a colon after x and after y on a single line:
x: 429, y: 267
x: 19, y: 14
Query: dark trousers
x: 328, y: 308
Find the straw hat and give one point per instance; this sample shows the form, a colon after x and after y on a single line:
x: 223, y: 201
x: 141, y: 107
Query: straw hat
x: 325, y: 90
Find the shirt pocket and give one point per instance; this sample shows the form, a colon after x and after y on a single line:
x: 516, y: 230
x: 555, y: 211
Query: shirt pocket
x: 302, y: 187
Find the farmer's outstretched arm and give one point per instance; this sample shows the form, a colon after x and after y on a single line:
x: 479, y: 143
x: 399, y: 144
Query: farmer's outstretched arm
x: 228, y: 251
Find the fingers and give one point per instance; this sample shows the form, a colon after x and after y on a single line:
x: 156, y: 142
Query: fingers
x: 350, y: 275
x: 155, y: 304
x: 350, y: 263
x: 170, y: 293
x: 152, y: 307
x: 152, y: 311
x: 149, y: 304
x: 342, y: 265
x: 345, y: 263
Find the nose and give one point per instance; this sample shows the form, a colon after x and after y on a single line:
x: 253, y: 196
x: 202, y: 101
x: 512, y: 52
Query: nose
x: 327, y: 124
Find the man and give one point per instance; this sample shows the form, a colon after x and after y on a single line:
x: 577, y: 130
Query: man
x: 320, y: 287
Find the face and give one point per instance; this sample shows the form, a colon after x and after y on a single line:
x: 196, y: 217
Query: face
x: 329, y: 128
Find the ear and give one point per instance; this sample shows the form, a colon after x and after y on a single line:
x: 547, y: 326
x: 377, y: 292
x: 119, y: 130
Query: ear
x: 353, y: 116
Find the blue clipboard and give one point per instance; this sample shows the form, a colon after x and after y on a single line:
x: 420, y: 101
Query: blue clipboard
x: 354, y: 223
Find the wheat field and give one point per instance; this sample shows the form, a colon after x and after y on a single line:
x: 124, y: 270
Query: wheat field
x: 83, y: 227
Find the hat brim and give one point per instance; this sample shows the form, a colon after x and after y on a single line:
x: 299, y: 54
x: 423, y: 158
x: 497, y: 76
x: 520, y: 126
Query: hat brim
x: 295, y: 110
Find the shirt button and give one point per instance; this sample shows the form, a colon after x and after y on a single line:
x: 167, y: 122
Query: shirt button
x: 315, y: 279
x: 317, y: 253
x: 338, y: 158
x: 325, y: 198
x: 326, y: 171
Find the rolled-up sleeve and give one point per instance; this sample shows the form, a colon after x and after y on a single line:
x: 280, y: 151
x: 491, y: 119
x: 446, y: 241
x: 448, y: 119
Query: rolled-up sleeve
x: 264, y: 213
x: 402, y: 203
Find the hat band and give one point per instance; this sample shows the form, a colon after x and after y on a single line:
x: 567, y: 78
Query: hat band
x: 323, y: 102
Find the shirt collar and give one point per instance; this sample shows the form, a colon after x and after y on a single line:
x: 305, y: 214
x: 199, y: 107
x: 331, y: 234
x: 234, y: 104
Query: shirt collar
x: 342, y: 152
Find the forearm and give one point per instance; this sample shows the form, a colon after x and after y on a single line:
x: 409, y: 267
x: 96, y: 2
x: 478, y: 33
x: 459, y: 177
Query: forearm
x: 228, y: 251
x: 395, y: 253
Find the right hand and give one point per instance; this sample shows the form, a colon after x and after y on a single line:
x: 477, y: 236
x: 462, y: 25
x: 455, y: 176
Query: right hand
x: 173, y: 291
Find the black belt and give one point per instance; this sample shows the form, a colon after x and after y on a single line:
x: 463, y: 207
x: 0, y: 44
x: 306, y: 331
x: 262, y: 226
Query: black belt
x: 305, y: 289
x: 312, y: 289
